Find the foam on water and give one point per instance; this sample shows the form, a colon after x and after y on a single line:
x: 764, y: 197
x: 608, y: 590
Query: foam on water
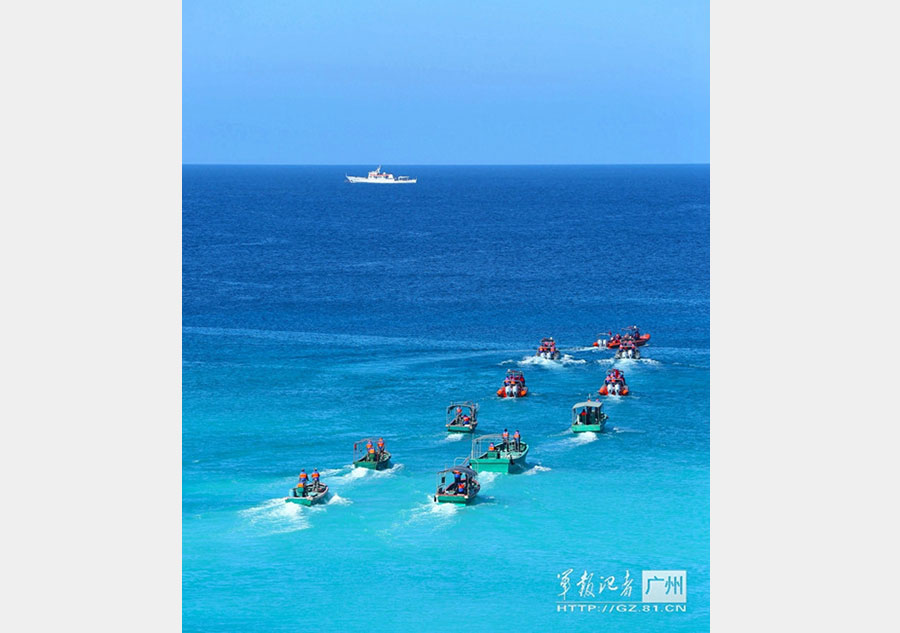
x: 540, y: 361
x: 433, y: 511
x: 537, y: 468
x: 454, y: 437
x: 275, y: 516
x: 335, y: 499
x: 353, y: 475
x: 485, y: 479
x: 387, y: 472
x: 582, y: 438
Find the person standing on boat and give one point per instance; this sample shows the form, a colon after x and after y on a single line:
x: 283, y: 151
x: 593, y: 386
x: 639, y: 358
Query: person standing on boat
x: 380, y: 447
x: 457, y: 478
x: 459, y: 415
x: 303, y: 480
x: 516, y: 438
x: 315, y: 478
x: 370, y: 451
x: 506, y: 439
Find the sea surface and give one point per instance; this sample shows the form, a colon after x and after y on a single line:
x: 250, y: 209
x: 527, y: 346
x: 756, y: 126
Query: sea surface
x: 316, y: 313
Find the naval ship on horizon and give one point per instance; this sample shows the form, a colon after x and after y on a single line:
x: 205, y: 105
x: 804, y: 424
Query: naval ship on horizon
x: 381, y: 177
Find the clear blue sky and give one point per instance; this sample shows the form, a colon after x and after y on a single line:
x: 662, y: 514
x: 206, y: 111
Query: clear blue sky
x: 464, y: 82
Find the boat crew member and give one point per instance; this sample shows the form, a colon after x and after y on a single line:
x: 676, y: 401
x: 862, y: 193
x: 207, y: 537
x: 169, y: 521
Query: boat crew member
x: 457, y: 477
x: 370, y: 451
x: 582, y: 417
x: 459, y: 415
x: 315, y: 478
x: 380, y: 446
x: 461, y: 489
x: 491, y: 447
x: 466, y: 419
x: 516, y: 438
x: 505, y: 438
x: 303, y: 480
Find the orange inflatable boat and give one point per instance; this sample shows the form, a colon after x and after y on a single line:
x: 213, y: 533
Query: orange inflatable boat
x: 513, y: 385
x: 614, y: 385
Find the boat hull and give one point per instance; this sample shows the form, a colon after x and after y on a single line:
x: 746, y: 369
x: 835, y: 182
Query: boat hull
x: 459, y: 499
x: 459, y: 428
x: 381, y: 464
x: 522, y: 393
x: 586, y: 428
x: 379, y: 181
x: 603, y: 391
x: 309, y: 499
x: 644, y: 338
x: 501, y: 463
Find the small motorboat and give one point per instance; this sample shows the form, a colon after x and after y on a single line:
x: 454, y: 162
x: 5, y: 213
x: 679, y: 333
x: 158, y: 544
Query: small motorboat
x: 614, y: 384
x: 588, y: 416
x: 547, y: 349
x: 367, y: 453
x: 496, y: 454
x: 513, y: 385
x: 632, y: 334
x: 457, y: 485
x: 628, y: 349
x: 308, y: 494
x: 462, y: 417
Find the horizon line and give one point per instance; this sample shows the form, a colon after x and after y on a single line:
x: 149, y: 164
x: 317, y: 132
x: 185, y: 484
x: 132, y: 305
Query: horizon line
x: 446, y: 164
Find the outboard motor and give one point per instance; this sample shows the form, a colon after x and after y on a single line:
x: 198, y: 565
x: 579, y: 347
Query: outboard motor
x: 508, y: 390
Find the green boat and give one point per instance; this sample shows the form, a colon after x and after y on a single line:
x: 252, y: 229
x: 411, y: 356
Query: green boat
x: 362, y: 458
x: 448, y: 490
x: 588, y: 416
x: 309, y: 496
x: 462, y: 417
x: 505, y: 457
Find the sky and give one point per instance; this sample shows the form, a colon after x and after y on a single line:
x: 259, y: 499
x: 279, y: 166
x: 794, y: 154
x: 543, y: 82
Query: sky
x: 340, y: 82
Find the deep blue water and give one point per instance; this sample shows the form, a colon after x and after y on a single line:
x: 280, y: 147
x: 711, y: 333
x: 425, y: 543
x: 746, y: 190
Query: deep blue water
x: 317, y: 312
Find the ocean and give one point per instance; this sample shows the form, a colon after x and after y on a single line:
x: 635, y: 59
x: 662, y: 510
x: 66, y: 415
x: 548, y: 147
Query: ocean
x: 316, y: 313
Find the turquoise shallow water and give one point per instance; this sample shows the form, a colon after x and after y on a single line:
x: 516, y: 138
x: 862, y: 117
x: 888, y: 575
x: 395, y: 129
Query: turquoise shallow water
x: 317, y: 313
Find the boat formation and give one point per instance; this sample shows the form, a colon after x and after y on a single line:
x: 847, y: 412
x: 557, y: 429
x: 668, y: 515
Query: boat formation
x: 494, y: 453
x: 381, y: 178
